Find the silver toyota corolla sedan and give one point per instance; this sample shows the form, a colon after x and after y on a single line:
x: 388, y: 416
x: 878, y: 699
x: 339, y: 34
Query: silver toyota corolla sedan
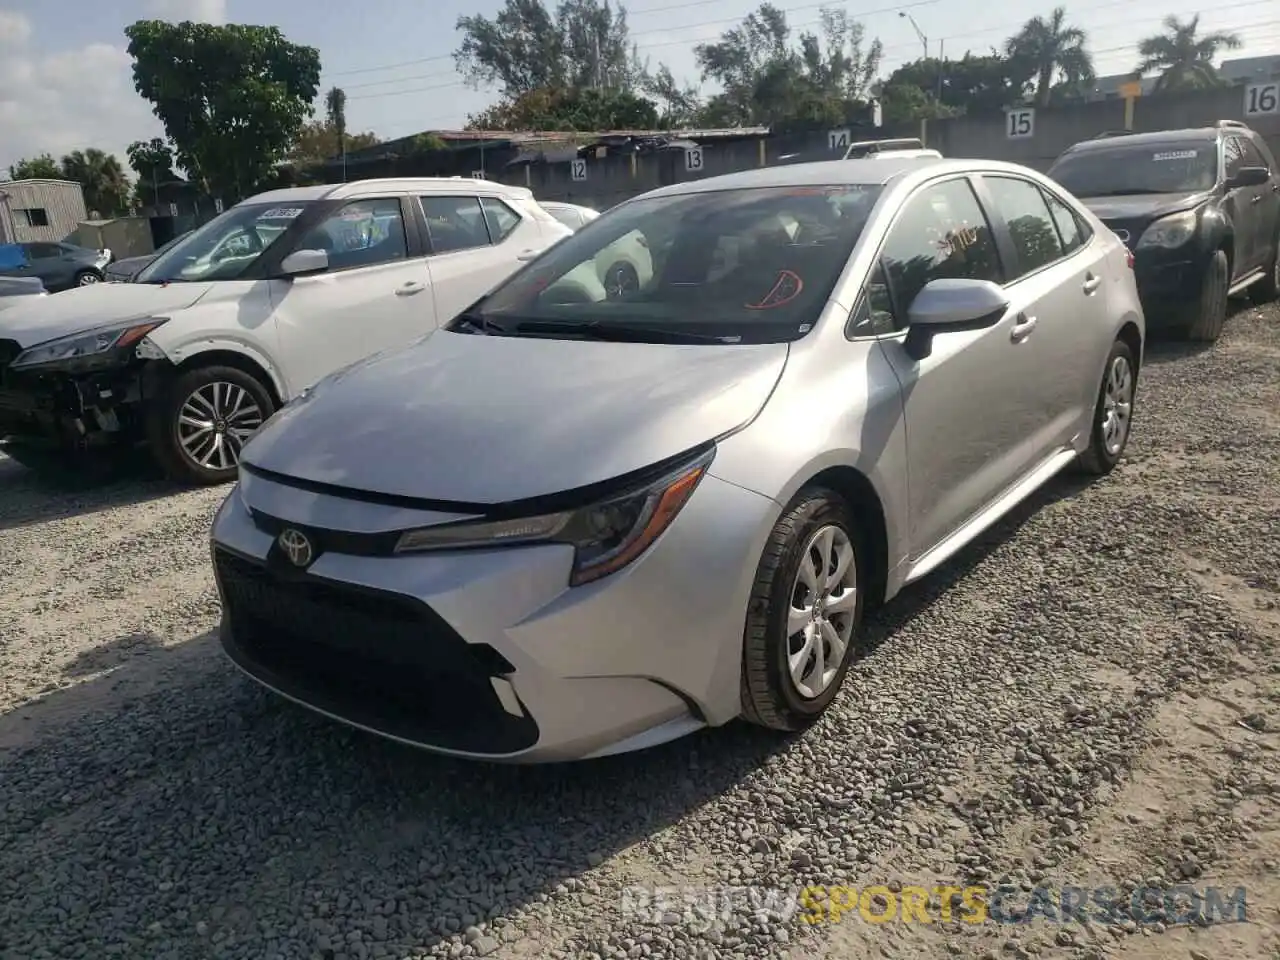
x: 578, y: 521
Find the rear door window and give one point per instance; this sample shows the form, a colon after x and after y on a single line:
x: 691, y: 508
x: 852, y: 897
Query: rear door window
x: 1031, y: 227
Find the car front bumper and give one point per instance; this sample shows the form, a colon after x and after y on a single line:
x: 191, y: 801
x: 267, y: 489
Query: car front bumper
x: 489, y: 654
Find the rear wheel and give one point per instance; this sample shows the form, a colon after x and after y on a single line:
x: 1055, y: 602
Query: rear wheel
x: 1268, y: 288
x: 1208, y: 313
x: 87, y: 278
x: 1113, y: 415
x: 805, y: 613
x: 202, y: 421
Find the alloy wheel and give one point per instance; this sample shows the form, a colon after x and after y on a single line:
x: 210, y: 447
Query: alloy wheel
x: 1117, y: 405
x: 215, y: 422
x: 820, y: 619
x: 87, y: 279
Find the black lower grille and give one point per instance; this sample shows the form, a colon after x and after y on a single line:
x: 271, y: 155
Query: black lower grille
x: 378, y: 659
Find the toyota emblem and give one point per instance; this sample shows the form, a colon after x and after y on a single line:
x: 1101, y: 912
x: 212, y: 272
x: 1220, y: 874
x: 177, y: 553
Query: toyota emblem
x: 295, y: 545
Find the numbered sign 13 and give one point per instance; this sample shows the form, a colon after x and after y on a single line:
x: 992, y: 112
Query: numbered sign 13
x: 693, y: 159
x: 1020, y: 124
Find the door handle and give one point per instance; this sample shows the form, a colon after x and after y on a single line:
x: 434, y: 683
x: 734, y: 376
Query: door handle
x: 1022, y: 327
x: 410, y: 288
x: 1091, y: 283
x: 524, y: 256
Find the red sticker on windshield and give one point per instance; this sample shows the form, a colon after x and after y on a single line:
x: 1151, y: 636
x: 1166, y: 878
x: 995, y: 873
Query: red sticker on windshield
x: 785, y: 289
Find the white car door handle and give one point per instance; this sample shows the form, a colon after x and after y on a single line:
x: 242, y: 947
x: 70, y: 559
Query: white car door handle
x: 410, y: 288
x: 1022, y: 328
x: 526, y: 255
x: 1091, y: 283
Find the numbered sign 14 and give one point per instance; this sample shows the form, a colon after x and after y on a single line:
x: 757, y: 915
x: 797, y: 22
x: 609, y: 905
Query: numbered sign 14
x: 1020, y: 124
x: 1261, y: 99
x: 693, y: 159
x: 838, y: 140
x: 578, y: 169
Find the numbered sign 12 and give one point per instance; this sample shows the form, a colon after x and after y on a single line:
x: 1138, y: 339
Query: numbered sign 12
x: 1020, y: 124
x: 693, y: 159
x: 578, y: 169
x: 838, y: 140
x: 1261, y: 99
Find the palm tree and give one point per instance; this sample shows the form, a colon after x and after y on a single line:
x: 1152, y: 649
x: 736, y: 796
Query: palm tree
x: 1049, y: 47
x: 1185, y: 60
x: 106, y: 187
x: 335, y: 103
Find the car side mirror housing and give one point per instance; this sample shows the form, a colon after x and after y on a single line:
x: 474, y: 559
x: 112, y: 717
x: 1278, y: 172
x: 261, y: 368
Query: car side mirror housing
x: 947, y: 306
x: 302, y: 262
x: 1249, y: 177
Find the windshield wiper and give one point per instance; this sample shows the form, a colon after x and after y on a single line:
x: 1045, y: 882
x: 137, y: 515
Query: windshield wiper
x: 620, y: 332
x: 478, y: 322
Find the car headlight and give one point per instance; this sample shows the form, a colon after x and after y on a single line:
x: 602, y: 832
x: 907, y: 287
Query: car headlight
x: 606, y: 536
x: 90, y: 348
x: 1171, y: 231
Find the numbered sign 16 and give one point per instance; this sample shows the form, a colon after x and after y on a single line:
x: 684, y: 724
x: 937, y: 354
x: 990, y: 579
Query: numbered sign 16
x: 578, y: 169
x: 1261, y: 99
x: 838, y: 140
x: 693, y: 159
x: 1020, y: 124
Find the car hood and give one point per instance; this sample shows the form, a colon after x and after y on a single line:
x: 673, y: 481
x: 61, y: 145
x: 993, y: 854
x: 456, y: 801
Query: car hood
x: 1141, y: 205
x: 473, y: 419
x: 130, y: 265
x: 37, y: 319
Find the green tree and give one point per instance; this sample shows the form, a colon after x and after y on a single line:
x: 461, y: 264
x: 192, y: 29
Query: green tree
x: 526, y: 47
x: 335, y: 107
x: 569, y: 108
x: 43, y: 167
x: 316, y: 139
x: 823, y: 78
x: 152, y: 161
x: 1183, y: 56
x: 678, y: 104
x: 972, y: 84
x: 106, y: 187
x: 232, y: 98
x: 1051, y: 50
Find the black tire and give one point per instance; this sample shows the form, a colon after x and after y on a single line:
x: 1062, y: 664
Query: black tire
x: 86, y: 278
x: 1267, y: 289
x: 163, y: 420
x: 1098, y: 459
x: 1208, y: 314
x: 770, y: 697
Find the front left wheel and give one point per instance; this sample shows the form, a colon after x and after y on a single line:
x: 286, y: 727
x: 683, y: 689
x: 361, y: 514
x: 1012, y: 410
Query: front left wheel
x: 805, y: 613
x: 202, y: 421
x: 87, y: 278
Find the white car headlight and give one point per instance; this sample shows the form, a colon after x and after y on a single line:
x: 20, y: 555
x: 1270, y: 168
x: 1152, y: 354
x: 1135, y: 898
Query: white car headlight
x: 1170, y: 232
x: 90, y: 347
x: 606, y: 536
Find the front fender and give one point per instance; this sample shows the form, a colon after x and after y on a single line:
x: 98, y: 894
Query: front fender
x: 189, y: 348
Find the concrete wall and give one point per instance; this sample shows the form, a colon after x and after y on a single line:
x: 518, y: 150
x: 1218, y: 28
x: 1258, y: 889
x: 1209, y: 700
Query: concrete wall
x: 611, y: 180
x: 61, y: 200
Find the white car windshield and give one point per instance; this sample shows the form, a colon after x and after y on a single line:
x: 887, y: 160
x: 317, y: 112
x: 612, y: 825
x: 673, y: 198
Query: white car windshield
x: 748, y: 265
x: 224, y: 247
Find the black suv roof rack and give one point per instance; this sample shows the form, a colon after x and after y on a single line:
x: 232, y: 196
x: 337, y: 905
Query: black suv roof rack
x: 1233, y: 124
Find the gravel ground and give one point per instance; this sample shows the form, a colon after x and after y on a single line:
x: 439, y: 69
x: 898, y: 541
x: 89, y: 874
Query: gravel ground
x: 1088, y: 696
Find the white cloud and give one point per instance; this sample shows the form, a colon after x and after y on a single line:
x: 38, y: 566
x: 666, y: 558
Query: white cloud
x: 59, y: 101
x: 175, y: 11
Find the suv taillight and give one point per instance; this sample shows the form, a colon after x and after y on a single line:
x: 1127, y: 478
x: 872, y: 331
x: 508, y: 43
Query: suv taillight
x: 1128, y: 258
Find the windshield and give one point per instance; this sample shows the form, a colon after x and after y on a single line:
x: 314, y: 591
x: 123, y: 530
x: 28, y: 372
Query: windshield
x: 752, y: 266
x: 1152, y: 168
x: 225, y: 246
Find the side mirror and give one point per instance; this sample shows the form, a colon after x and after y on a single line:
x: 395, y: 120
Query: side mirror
x: 1249, y: 177
x: 945, y: 306
x: 302, y: 262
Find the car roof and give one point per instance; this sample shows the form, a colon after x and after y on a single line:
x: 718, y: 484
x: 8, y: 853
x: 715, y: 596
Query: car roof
x: 1121, y: 140
x: 384, y: 185
x: 828, y: 173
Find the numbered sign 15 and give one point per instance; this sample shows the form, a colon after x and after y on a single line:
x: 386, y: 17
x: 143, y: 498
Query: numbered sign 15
x: 693, y: 159
x: 578, y: 169
x: 1261, y: 99
x: 838, y: 140
x: 1020, y: 124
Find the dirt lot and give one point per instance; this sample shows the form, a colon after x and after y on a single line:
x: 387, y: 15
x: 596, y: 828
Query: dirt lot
x: 1089, y: 697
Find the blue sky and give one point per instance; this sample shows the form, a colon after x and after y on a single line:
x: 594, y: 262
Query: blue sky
x: 64, y: 76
